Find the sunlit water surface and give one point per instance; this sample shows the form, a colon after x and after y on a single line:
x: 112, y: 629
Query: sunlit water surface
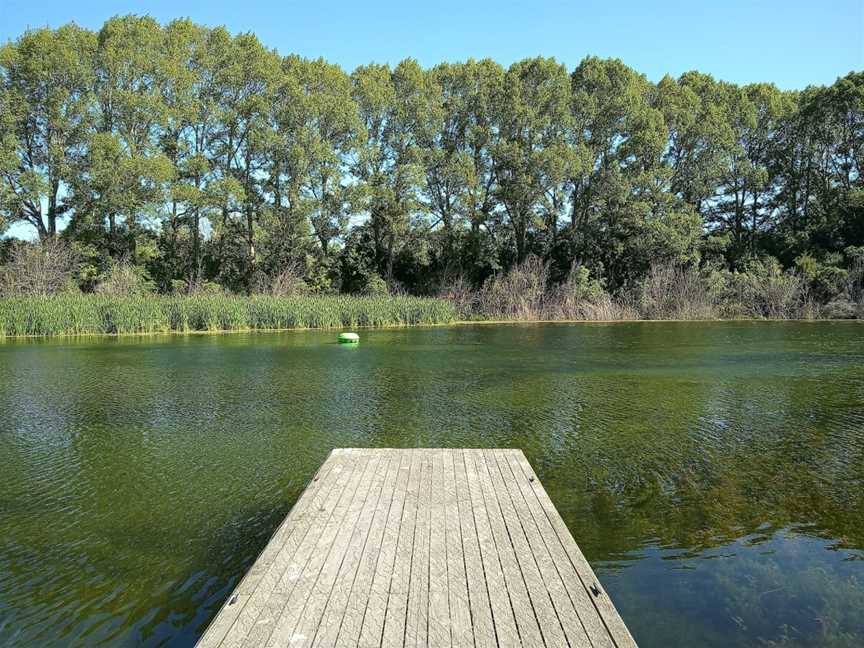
x: 713, y: 474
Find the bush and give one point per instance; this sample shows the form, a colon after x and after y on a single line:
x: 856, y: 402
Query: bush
x: 821, y: 281
x: 855, y: 276
x: 125, y: 280
x: 46, y: 268
x: 516, y: 295
x: 841, y: 309
x: 669, y: 291
x: 579, y: 297
x: 287, y: 283
x: 375, y: 286
x: 762, y: 290
x: 523, y: 295
x: 463, y: 297
x: 676, y: 292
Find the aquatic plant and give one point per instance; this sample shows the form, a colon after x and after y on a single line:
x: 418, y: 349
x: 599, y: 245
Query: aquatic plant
x: 79, y: 314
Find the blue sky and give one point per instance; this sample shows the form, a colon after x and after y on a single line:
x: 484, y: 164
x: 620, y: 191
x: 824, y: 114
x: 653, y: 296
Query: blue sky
x: 792, y: 43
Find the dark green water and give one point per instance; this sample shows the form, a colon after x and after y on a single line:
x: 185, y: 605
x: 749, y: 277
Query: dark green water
x: 713, y: 474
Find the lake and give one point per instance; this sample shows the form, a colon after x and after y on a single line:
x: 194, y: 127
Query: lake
x: 712, y: 473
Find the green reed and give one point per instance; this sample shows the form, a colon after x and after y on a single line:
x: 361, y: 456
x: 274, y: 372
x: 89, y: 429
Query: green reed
x: 103, y: 314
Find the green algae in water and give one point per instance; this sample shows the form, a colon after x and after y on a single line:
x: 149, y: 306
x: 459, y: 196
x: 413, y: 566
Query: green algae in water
x: 713, y: 473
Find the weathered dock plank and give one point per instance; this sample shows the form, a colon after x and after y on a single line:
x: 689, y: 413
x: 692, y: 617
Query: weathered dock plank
x: 457, y: 579
x: 426, y: 547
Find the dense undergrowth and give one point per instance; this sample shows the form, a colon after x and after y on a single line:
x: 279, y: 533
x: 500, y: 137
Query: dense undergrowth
x: 669, y: 292
x: 40, y: 300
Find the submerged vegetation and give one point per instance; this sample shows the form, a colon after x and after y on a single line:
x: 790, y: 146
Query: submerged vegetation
x: 709, y: 468
x: 181, y: 160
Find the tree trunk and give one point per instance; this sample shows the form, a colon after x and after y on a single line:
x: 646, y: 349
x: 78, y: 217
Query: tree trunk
x: 376, y: 235
x: 112, y: 229
x: 250, y: 234
x: 390, y: 244
x: 52, y: 215
x: 753, y: 225
x: 519, y: 235
x: 44, y: 235
x: 196, y: 244
x: 250, y: 216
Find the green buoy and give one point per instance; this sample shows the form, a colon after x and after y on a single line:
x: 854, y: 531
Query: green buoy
x: 349, y: 338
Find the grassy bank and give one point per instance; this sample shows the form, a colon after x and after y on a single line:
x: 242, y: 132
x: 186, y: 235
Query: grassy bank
x: 96, y: 314
x: 103, y: 314
x: 668, y: 292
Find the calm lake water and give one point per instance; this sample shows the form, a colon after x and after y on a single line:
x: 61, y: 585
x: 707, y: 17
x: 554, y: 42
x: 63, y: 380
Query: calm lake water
x: 713, y: 474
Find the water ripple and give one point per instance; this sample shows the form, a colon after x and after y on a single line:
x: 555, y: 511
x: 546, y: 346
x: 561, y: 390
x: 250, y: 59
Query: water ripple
x: 698, y: 465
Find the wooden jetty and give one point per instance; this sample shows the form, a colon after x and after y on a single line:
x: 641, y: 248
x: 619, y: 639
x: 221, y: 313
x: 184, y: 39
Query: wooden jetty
x: 427, y: 547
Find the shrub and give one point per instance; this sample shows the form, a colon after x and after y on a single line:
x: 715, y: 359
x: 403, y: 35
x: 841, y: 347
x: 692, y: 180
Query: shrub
x: 375, y: 286
x: 855, y: 276
x: 677, y: 292
x: 125, y: 280
x: 766, y: 291
x: 287, y: 283
x: 46, y: 268
x: 579, y: 297
x: 840, y: 309
x: 821, y: 281
x: 523, y: 294
x: 463, y: 297
x: 516, y: 295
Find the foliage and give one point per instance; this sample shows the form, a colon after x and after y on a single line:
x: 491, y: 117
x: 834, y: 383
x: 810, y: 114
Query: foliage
x: 765, y: 290
x: 288, y: 283
x: 45, y: 269
x: 46, y: 83
x: 517, y: 294
x: 677, y: 292
x: 202, y: 158
x: 525, y: 293
x: 124, y: 280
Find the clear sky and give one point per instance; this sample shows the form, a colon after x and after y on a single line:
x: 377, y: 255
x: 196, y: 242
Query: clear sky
x: 793, y: 43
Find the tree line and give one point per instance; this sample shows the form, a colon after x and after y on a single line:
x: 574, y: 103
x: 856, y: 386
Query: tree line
x: 200, y: 157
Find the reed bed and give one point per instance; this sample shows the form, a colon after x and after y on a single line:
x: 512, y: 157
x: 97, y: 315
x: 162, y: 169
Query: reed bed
x: 104, y: 314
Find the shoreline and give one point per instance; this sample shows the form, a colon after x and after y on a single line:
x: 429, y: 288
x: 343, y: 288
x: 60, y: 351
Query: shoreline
x: 384, y: 327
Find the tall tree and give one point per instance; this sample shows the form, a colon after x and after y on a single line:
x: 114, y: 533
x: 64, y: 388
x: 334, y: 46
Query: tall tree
x: 459, y: 172
x: 833, y: 124
x: 699, y: 136
x: 188, y: 84
x: 394, y: 106
x: 745, y: 193
x: 532, y: 157
x: 203, y: 156
x: 123, y: 175
x: 316, y: 129
x: 623, y: 216
x: 46, y: 78
x: 246, y: 75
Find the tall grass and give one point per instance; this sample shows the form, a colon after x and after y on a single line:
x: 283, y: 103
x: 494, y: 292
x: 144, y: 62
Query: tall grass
x: 762, y: 291
x: 105, y: 314
x: 525, y: 294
